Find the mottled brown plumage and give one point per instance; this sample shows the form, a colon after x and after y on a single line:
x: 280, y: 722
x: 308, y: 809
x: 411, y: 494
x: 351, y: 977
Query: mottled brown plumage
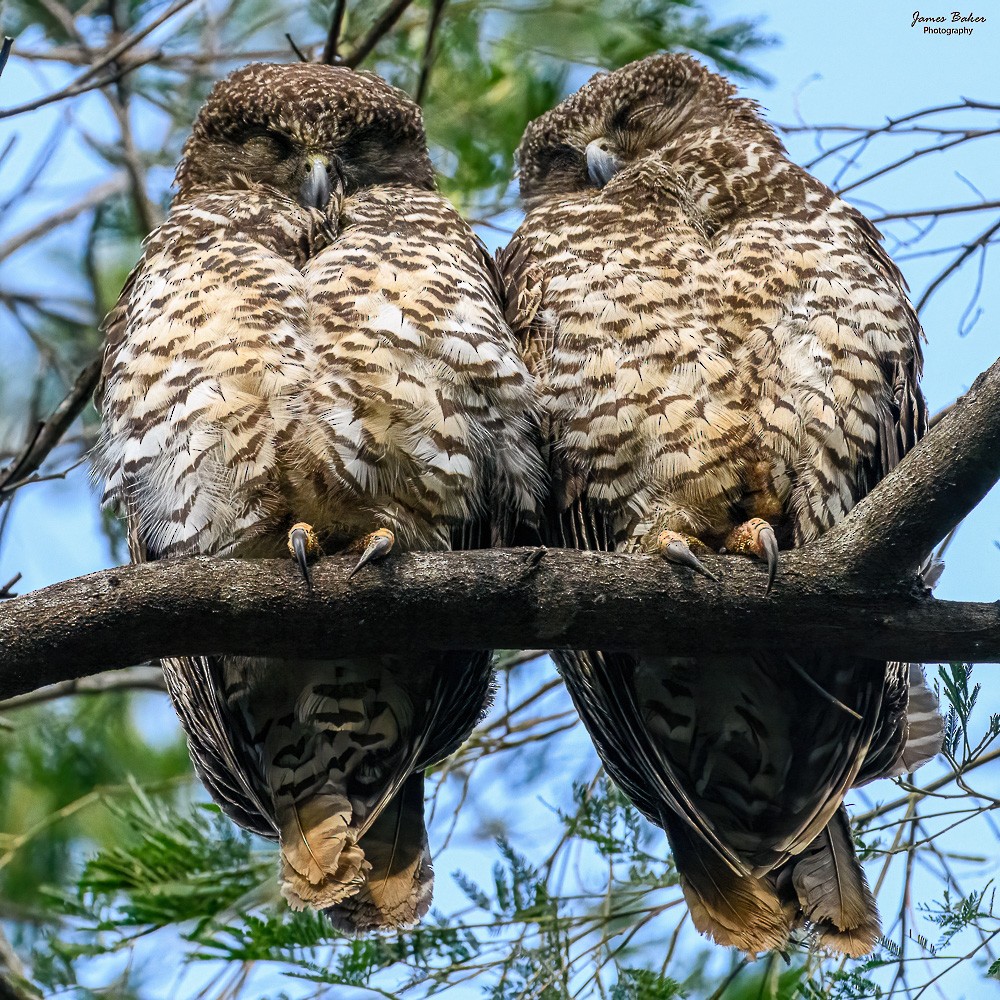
x: 718, y: 339
x: 314, y: 335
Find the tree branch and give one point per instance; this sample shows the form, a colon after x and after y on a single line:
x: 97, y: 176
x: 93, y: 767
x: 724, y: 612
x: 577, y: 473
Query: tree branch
x: 855, y: 590
x: 467, y: 600
x: 50, y: 433
x: 378, y: 31
x: 330, y: 54
x: 144, y: 678
x: 96, y: 196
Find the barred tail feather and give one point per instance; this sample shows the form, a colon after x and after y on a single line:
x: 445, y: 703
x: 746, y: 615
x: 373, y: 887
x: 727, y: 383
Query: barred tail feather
x: 398, y: 887
x: 737, y: 910
x: 320, y: 862
x: 833, y: 893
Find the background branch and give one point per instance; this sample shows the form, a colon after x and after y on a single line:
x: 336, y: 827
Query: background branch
x: 49, y: 434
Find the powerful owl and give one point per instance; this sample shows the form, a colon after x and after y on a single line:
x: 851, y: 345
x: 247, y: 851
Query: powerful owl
x: 727, y: 361
x: 311, y: 356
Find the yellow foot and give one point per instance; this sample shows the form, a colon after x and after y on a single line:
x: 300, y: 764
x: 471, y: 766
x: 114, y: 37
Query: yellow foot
x: 755, y: 538
x: 303, y: 545
x: 680, y: 549
x: 376, y: 545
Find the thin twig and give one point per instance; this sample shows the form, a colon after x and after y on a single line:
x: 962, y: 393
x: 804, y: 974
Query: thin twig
x: 951, y: 210
x: 51, y: 431
x: 377, y: 32
x: 84, y: 81
x: 78, y: 87
x: 980, y: 242
x: 927, y: 789
x: 8, y: 44
x: 427, y: 60
x: 330, y: 55
x: 144, y: 678
x: 96, y: 196
x: 301, y: 55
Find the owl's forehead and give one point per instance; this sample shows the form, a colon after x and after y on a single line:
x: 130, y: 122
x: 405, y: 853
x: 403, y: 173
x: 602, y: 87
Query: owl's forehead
x: 669, y: 78
x: 306, y: 101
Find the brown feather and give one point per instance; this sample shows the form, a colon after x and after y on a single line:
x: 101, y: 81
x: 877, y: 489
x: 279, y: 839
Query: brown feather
x: 400, y: 878
x: 833, y: 892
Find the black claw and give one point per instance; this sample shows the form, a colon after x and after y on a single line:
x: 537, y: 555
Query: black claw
x: 299, y: 541
x: 769, y: 543
x: 678, y: 552
x: 377, y: 547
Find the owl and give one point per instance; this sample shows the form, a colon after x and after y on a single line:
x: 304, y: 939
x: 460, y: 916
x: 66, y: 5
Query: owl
x: 311, y: 356
x: 727, y: 361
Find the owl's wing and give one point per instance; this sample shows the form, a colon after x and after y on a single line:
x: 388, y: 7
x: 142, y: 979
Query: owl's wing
x: 738, y: 749
x: 904, y: 422
x: 218, y: 743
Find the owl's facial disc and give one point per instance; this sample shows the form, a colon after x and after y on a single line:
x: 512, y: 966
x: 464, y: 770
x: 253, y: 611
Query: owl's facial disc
x: 602, y: 162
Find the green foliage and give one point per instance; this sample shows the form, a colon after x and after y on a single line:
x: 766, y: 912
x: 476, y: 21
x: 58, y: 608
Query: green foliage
x: 644, y: 984
x: 57, y: 766
x: 496, y: 69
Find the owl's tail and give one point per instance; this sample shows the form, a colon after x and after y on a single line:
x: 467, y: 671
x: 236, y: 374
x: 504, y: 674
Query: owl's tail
x: 321, y: 862
x: 823, y: 885
x: 398, y: 887
x: 830, y: 886
x: 737, y: 910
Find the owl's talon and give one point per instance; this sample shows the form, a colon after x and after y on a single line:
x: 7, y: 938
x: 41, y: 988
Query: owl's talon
x: 676, y: 548
x: 377, y: 546
x: 756, y: 538
x: 303, y: 544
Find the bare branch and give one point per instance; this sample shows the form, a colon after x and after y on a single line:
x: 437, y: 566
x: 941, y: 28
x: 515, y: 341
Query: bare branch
x: 979, y: 206
x: 79, y: 86
x: 85, y: 82
x: 979, y: 243
x: 91, y: 199
x: 427, y: 60
x: 8, y: 44
x: 330, y: 55
x: 377, y: 32
x: 854, y: 589
x: 298, y: 52
x: 50, y: 433
x: 470, y: 600
x: 144, y: 678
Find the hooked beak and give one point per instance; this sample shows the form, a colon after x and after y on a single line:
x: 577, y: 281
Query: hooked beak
x: 316, y: 187
x: 602, y: 164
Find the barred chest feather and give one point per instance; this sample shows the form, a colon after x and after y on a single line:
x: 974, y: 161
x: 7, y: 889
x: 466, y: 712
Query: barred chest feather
x: 303, y: 370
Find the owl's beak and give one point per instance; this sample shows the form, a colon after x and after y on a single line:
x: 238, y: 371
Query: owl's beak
x: 316, y: 186
x: 602, y: 164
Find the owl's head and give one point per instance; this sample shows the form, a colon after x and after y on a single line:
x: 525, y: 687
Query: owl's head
x: 306, y: 130
x: 618, y: 118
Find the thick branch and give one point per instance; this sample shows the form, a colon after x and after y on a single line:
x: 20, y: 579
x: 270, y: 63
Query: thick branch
x: 483, y: 599
x: 855, y: 590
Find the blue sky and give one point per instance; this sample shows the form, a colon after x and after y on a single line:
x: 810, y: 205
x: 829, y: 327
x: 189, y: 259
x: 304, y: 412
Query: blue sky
x: 854, y: 63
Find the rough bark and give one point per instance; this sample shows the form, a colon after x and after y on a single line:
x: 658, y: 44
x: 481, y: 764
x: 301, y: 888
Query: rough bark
x: 855, y: 588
